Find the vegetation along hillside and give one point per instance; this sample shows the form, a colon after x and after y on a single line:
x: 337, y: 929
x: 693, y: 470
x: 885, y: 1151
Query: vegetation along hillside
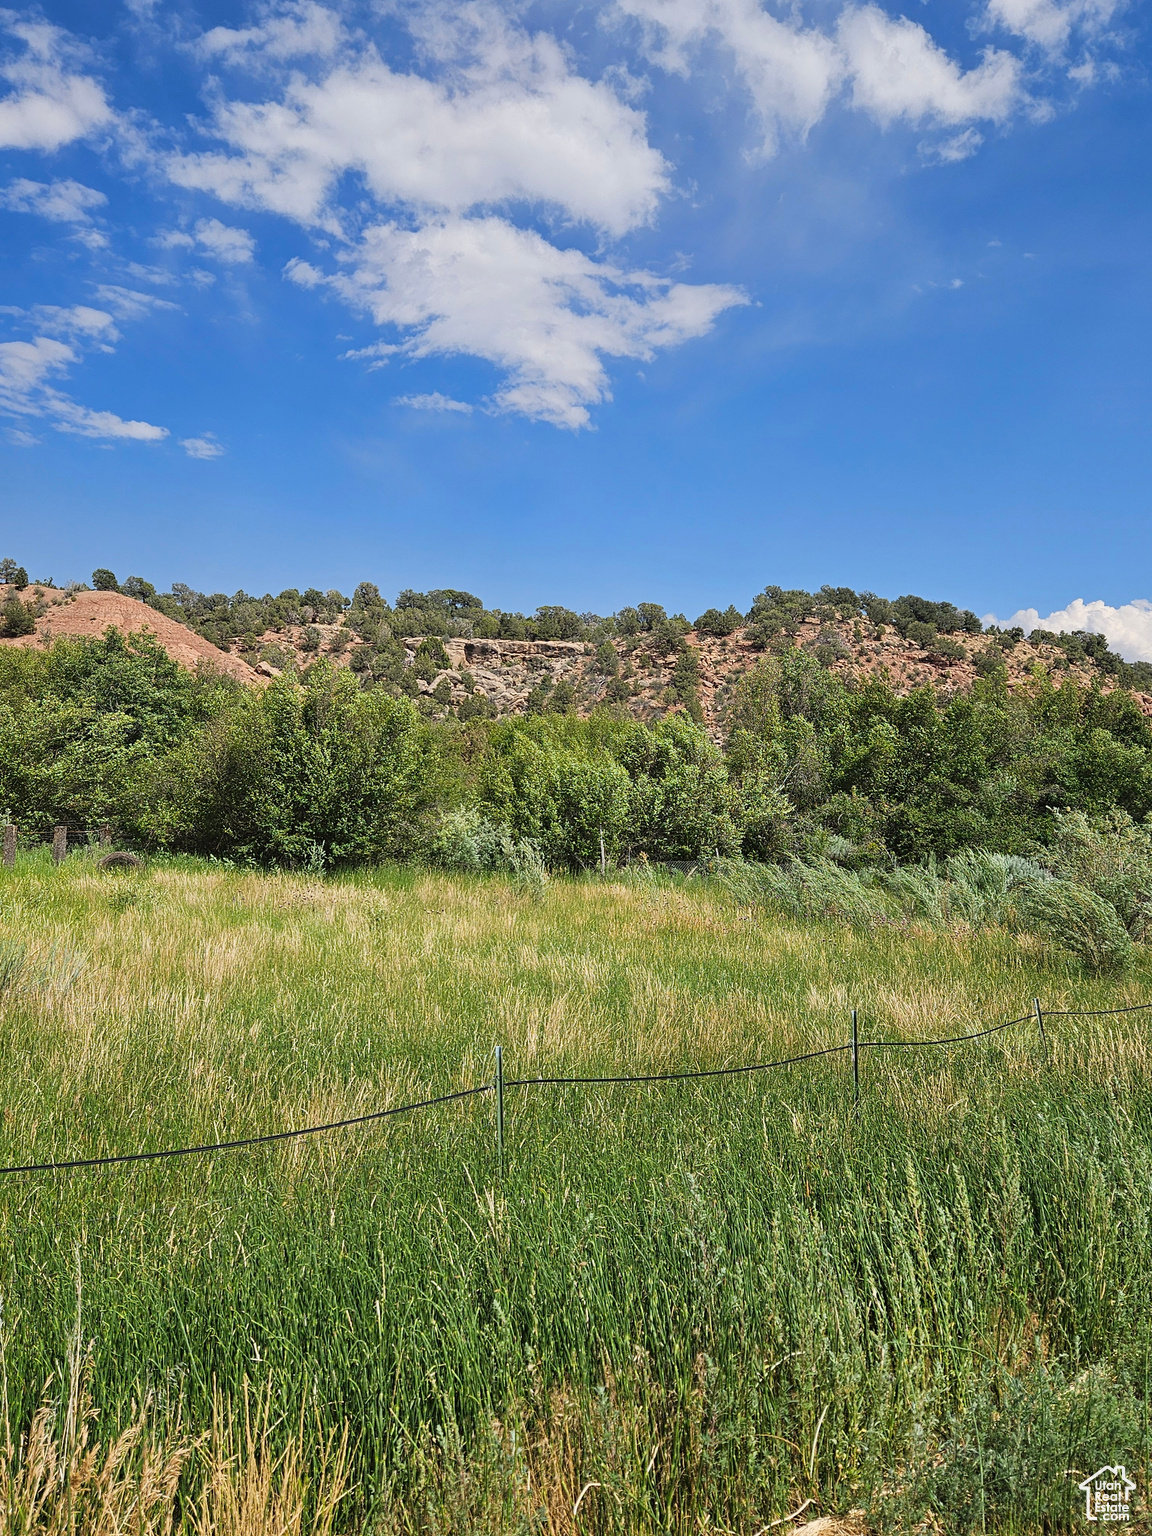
x: 829, y: 724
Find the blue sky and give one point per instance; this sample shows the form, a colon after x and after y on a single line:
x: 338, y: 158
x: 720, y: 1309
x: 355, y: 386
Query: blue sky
x: 653, y: 300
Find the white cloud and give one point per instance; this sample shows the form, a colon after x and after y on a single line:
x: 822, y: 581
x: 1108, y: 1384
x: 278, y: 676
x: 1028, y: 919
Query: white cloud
x: 791, y: 72
x: 377, y: 355
x: 512, y: 124
x: 78, y: 419
x: 1049, y: 25
x: 144, y: 274
x: 962, y: 146
x: 223, y: 241
x: 91, y: 239
x: 501, y: 119
x: 1127, y: 628
x: 65, y: 202
x: 305, y: 30
x: 29, y: 369
x: 50, y: 103
x: 434, y: 402
x: 206, y: 447
x: 129, y: 303
x: 545, y: 317
x: 424, y: 177
x: 897, y: 71
x: 77, y: 322
x: 304, y: 274
x: 25, y: 365
x: 891, y: 68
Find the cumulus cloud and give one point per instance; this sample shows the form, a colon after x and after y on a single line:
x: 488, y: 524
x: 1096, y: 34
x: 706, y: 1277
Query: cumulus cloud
x: 301, y: 31
x: 1127, y: 628
x: 545, y: 317
x: 897, y: 71
x: 960, y: 146
x: 206, y: 447
x: 791, y: 72
x: 438, y: 187
x: 434, y: 402
x: 65, y: 202
x: 30, y: 368
x: 223, y: 241
x: 1048, y: 24
x: 889, y: 67
x: 500, y: 119
x: 78, y: 322
x: 50, y: 102
x: 513, y: 124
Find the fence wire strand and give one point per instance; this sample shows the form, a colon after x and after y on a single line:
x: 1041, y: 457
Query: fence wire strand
x: 246, y: 1141
x: 1089, y: 1013
x: 669, y: 1077
x: 551, y: 1082
x: 979, y: 1034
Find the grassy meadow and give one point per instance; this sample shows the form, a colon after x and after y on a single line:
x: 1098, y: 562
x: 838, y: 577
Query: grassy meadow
x: 687, y: 1307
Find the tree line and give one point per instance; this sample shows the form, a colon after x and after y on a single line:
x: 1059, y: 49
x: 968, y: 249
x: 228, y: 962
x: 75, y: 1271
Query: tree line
x: 315, y: 768
x: 370, y: 629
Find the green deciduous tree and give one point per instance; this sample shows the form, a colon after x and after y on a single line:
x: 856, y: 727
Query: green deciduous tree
x: 299, y: 765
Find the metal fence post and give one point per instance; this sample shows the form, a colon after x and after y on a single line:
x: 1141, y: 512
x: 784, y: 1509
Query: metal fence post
x: 9, y: 845
x: 855, y: 1068
x: 499, y: 1084
x: 59, y: 844
x: 1040, y: 1024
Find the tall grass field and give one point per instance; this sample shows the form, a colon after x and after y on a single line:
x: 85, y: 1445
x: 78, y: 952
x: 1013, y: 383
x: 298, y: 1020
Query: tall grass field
x: 696, y: 1306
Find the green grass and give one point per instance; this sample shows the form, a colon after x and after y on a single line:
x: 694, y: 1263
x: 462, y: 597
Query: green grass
x: 711, y: 1300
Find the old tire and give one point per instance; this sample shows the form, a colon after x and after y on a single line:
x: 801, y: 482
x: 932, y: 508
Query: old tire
x: 119, y: 861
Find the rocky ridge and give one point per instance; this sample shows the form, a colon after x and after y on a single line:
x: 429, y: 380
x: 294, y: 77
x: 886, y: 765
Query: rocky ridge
x: 495, y: 678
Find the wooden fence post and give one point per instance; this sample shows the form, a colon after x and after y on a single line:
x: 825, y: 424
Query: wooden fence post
x: 59, y: 844
x: 105, y: 836
x: 9, y: 845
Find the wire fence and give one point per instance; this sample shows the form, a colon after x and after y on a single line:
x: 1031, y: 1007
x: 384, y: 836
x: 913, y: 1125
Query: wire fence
x: 499, y: 1084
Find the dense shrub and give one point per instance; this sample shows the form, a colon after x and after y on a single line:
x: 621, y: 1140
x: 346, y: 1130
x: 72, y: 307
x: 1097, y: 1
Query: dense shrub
x: 16, y: 618
x: 713, y: 622
x: 1074, y: 917
x: 464, y: 839
x: 944, y: 645
x: 302, y: 765
x: 1111, y: 856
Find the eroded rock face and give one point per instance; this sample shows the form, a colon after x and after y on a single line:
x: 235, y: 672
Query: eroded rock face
x: 506, y: 671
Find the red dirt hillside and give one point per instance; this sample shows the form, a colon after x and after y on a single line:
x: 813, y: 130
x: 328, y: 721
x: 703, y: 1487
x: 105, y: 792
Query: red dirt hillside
x: 90, y: 613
